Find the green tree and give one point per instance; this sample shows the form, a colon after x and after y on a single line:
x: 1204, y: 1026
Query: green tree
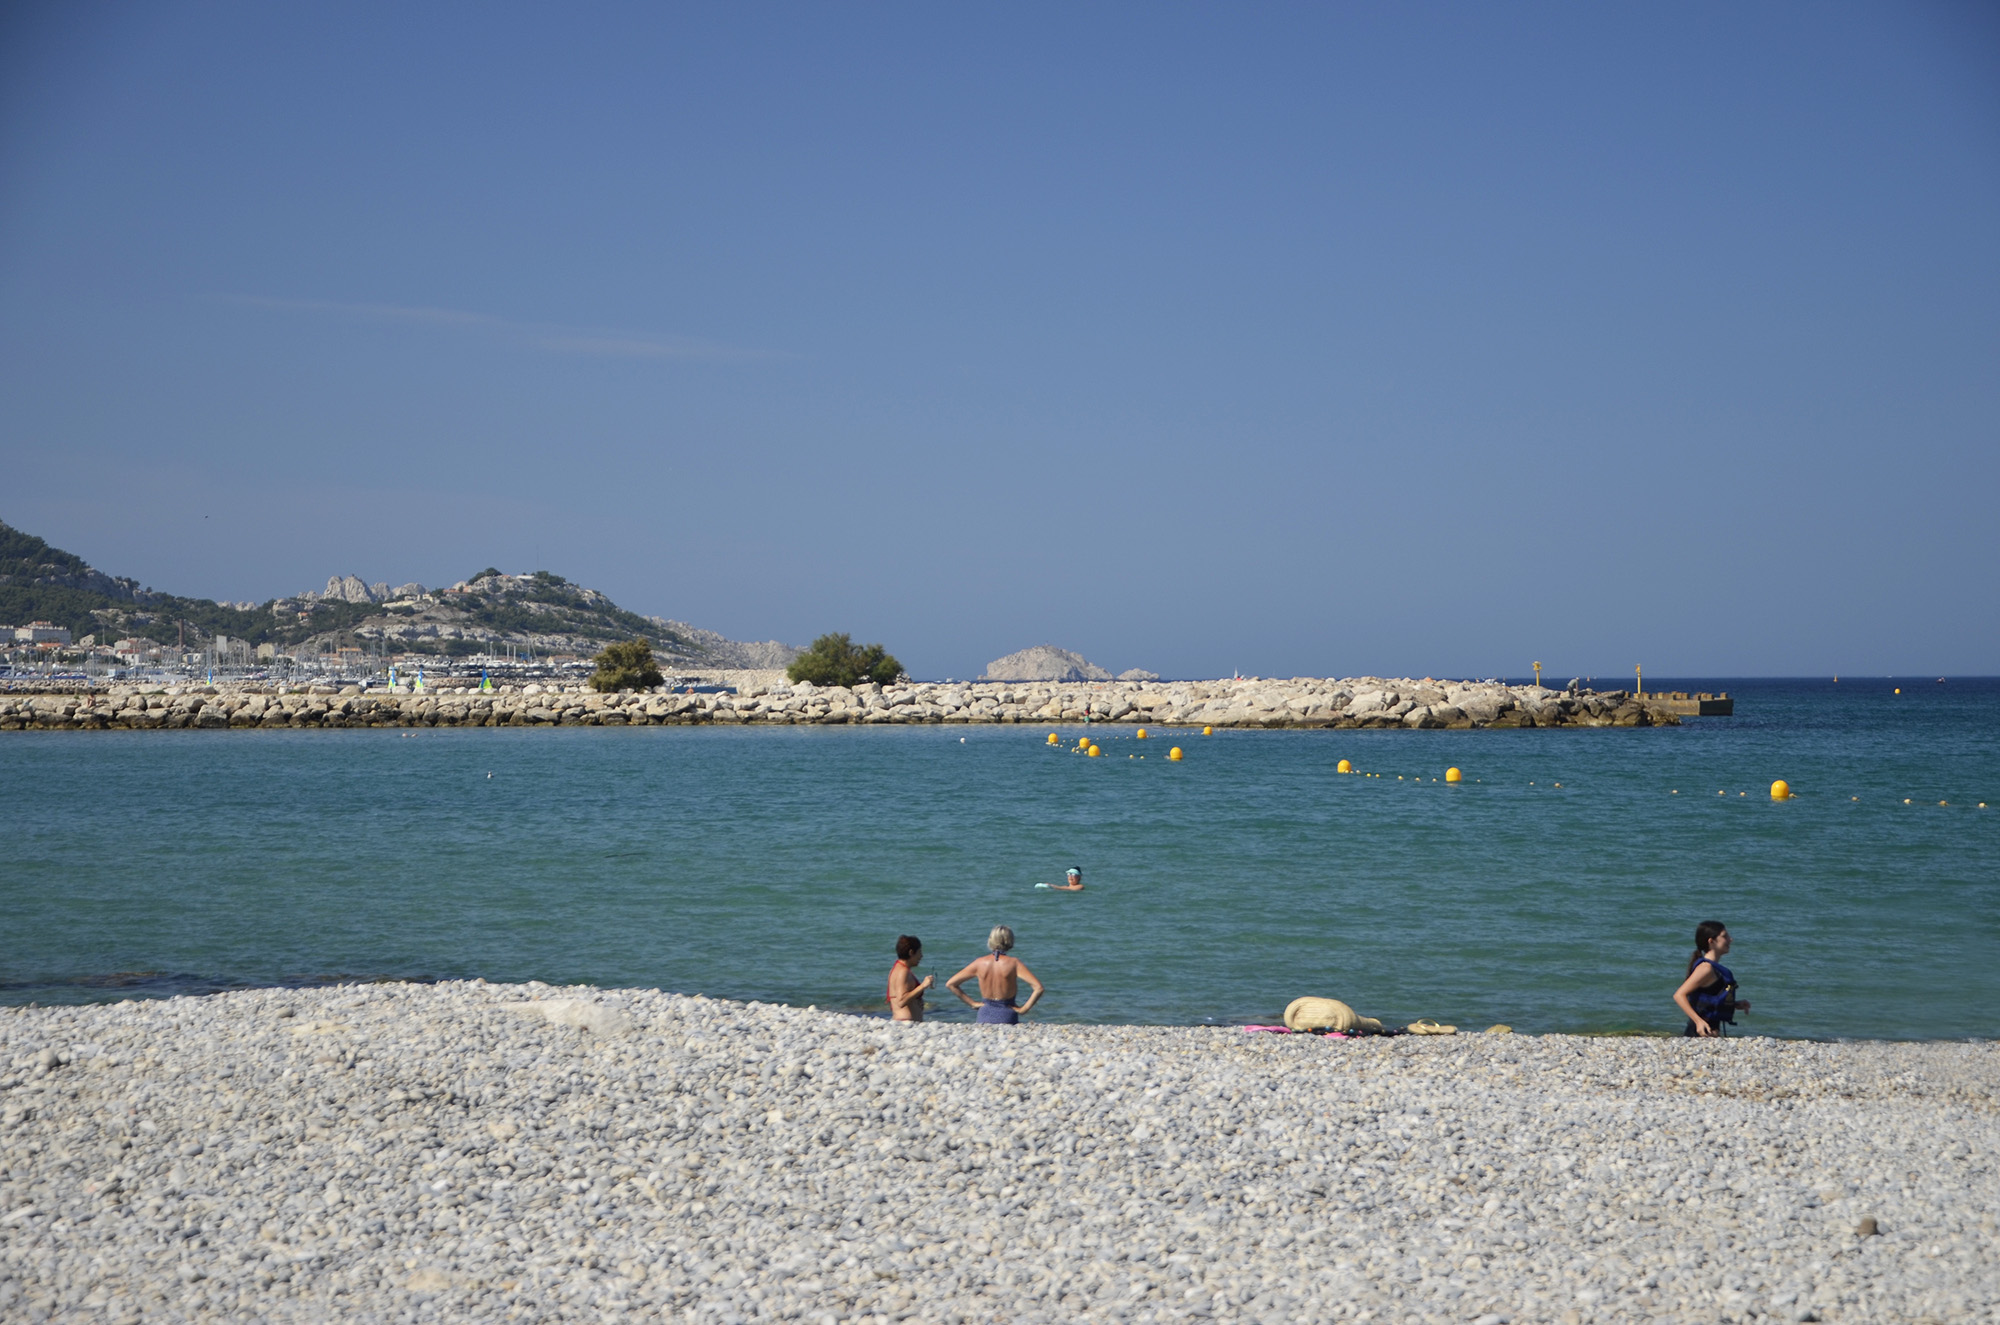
x: 835, y: 660
x: 626, y: 666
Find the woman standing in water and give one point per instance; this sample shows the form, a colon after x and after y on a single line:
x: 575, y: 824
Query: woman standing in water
x: 906, y: 992
x: 1708, y: 995
x: 998, y: 975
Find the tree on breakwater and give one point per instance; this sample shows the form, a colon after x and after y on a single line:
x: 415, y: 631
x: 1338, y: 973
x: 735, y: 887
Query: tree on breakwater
x: 835, y: 660
x: 626, y: 666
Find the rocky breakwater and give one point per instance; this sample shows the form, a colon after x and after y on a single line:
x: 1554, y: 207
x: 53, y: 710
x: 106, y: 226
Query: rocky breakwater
x: 1297, y: 702
x: 479, y: 1152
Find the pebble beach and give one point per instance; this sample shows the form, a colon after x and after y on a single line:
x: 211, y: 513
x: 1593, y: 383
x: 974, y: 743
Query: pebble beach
x: 468, y: 1151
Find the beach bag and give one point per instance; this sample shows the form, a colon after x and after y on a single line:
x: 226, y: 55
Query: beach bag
x: 1326, y: 1014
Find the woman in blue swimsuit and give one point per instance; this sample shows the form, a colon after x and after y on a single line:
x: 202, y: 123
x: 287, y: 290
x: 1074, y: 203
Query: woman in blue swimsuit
x: 998, y: 975
x: 1708, y: 995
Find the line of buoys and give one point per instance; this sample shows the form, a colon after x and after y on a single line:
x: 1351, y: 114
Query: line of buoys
x: 1174, y: 754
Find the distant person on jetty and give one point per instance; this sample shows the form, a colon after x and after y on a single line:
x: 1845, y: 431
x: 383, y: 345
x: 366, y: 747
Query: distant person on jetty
x: 906, y: 992
x: 1072, y: 882
x: 1708, y: 995
x: 997, y: 974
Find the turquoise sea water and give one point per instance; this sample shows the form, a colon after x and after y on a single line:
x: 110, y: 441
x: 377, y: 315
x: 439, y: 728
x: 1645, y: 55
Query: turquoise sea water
x: 780, y: 864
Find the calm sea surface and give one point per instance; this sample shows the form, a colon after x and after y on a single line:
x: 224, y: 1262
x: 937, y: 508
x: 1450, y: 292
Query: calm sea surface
x: 781, y: 864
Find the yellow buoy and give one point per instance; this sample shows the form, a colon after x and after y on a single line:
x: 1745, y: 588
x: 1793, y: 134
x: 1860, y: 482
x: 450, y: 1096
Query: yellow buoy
x: 1208, y: 731
x: 1343, y: 767
x: 1140, y: 734
x: 1781, y: 790
x: 1175, y: 754
x: 1052, y: 738
x: 1453, y: 775
x: 1899, y: 690
x: 1094, y: 751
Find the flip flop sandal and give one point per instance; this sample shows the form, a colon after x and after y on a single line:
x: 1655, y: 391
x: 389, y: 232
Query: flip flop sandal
x: 1425, y: 1026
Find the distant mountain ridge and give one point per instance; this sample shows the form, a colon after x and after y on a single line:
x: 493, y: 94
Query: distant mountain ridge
x: 489, y: 613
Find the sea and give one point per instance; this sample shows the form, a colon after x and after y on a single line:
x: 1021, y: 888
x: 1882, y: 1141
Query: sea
x: 1556, y: 888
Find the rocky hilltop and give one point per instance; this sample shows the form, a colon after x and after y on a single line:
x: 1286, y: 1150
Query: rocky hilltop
x: 488, y: 613
x: 1045, y: 662
x: 1298, y: 702
x: 493, y: 612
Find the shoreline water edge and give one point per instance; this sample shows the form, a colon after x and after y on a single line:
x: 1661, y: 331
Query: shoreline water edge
x: 1298, y: 702
x: 475, y: 1151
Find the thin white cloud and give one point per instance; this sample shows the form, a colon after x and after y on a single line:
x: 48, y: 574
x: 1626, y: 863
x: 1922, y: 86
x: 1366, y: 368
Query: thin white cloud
x: 557, y: 339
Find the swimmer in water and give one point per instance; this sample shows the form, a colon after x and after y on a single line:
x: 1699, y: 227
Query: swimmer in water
x: 1072, y: 883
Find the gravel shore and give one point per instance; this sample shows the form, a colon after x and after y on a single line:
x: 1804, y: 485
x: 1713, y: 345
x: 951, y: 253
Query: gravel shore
x: 483, y: 1152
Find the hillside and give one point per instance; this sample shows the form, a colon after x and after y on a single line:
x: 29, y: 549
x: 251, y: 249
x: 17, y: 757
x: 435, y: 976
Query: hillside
x: 488, y: 613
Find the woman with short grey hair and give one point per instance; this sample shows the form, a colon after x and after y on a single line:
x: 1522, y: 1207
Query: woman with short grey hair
x: 998, y: 975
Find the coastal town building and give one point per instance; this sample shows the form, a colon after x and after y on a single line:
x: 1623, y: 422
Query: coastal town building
x: 41, y: 632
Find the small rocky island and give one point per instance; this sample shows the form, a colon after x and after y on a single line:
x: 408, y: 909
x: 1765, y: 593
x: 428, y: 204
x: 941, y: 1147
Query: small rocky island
x: 1352, y: 702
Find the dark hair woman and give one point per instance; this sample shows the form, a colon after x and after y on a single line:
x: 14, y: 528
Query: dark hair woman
x: 906, y: 992
x: 1708, y: 995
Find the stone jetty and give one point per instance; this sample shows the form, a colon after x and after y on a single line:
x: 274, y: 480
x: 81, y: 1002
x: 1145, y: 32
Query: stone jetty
x: 1237, y: 702
x: 475, y: 1152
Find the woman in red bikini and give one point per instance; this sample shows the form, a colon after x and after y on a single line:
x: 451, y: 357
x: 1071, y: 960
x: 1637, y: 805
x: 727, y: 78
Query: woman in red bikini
x: 906, y: 992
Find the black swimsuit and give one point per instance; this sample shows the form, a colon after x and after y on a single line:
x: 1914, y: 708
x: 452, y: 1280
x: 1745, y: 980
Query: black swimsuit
x: 1715, y: 1003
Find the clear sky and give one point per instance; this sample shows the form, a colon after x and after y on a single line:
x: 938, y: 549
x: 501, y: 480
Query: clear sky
x: 1328, y: 339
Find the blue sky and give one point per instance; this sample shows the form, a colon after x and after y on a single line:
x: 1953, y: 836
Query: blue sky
x: 1323, y: 339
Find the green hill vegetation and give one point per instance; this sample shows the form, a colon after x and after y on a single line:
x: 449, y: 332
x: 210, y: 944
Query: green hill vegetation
x: 492, y: 611
x: 43, y: 583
